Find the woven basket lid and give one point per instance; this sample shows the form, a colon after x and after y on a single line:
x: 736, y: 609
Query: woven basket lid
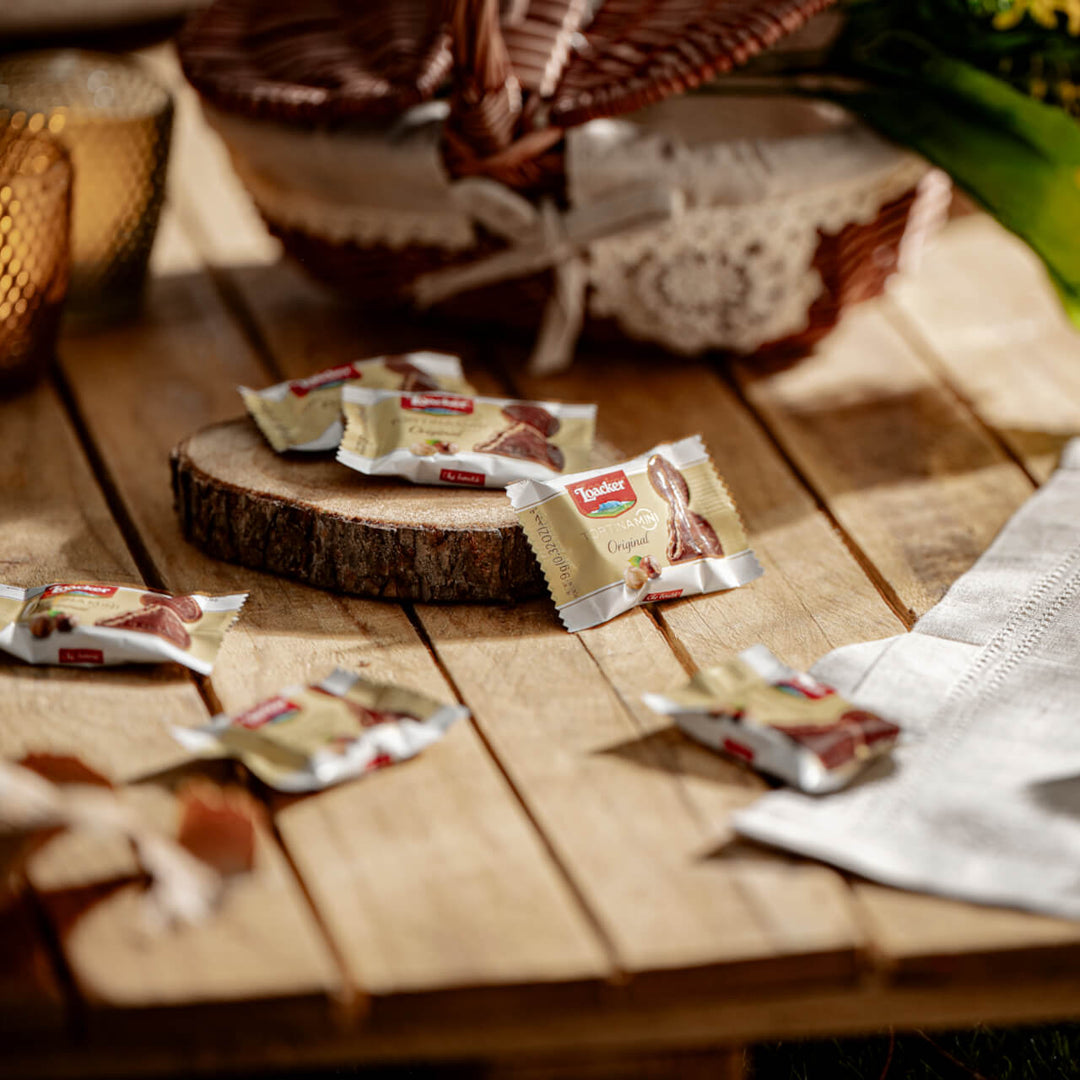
x: 319, y: 60
x: 572, y: 60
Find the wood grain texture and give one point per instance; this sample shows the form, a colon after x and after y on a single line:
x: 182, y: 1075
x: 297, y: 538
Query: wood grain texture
x: 425, y: 874
x: 812, y: 597
x: 117, y: 722
x: 326, y: 525
x: 982, y: 308
x: 54, y: 524
x: 259, y: 945
x: 910, y: 475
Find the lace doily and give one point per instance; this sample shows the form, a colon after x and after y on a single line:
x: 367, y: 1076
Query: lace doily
x: 734, y: 271
x: 735, y: 276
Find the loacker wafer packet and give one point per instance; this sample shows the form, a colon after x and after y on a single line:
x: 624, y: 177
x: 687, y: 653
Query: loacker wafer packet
x: 780, y: 721
x: 308, y: 737
x: 82, y: 624
x: 654, y: 528
x: 437, y: 438
x: 305, y: 414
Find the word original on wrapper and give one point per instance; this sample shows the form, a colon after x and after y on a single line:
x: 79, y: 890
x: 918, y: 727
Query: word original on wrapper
x: 436, y: 438
x: 306, y: 738
x: 305, y: 414
x: 782, y: 722
x: 655, y: 528
x: 94, y: 624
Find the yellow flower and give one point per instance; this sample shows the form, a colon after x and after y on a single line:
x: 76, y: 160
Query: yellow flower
x: 1044, y: 12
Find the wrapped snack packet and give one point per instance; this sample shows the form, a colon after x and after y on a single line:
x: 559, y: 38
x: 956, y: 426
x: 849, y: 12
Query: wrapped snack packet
x: 436, y: 438
x: 659, y: 526
x: 781, y: 721
x: 305, y: 414
x: 308, y: 737
x: 81, y: 624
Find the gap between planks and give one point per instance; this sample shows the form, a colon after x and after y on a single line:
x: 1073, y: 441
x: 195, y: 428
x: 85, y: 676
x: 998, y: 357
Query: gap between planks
x: 617, y: 975
x: 904, y: 613
x: 984, y: 314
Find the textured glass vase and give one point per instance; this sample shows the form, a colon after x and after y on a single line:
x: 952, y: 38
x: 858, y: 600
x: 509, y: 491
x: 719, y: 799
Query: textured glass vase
x: 115, y: 122
x: 35, y: 198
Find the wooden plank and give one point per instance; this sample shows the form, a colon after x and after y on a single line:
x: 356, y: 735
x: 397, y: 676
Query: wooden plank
x: 624, y: 1025
x: 986, y: 314
x: 436, y: 897
x: 116, y: 721
x: 912, y: 478
x: 55, y: 525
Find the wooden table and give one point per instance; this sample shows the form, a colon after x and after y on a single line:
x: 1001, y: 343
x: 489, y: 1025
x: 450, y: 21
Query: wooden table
x: 556, y: 881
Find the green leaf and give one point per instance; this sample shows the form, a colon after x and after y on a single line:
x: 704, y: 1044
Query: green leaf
x: 1016, y: 156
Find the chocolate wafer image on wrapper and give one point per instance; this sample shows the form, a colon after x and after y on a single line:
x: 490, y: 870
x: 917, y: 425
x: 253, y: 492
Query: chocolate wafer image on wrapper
x: 305, y: 414
x: 437, y: 438
x: 779, y: 721
x: 306, y: 738
x: 657, y: 527
x: 96, y: 624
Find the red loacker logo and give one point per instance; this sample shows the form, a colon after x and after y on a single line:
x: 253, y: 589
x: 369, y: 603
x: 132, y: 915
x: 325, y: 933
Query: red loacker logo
x: 437, y: 403
x: 603, y: 496
x: 330, y: 377
x: 277, y: 708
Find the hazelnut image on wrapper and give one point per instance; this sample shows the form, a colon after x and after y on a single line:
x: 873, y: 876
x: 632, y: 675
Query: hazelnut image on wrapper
x: 650, y: 566
x: 636, y: 577
x: 422, y: 449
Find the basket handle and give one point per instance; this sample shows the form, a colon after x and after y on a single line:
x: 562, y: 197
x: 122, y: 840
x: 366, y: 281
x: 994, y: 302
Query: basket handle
x: 485, y: 106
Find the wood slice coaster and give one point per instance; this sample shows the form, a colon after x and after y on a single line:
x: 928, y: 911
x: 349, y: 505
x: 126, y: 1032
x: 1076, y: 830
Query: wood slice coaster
x: 309, y: 518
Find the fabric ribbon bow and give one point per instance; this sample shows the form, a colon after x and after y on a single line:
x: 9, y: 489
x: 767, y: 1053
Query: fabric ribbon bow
x: 543, y: 238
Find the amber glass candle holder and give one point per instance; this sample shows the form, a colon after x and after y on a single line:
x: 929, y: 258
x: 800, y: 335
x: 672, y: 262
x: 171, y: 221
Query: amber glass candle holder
x: 116, y: 122
x: 35, y: 197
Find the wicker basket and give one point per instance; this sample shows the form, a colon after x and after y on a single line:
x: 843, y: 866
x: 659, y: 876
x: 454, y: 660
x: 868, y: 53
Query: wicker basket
x: 467, y: 157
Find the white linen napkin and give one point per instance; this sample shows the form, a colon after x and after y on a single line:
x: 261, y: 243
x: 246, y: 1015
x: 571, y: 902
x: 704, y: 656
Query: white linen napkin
x: 982, y: 799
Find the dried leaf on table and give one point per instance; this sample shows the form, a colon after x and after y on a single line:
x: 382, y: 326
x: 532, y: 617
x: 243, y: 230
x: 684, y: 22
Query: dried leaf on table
x: 48, y: 794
